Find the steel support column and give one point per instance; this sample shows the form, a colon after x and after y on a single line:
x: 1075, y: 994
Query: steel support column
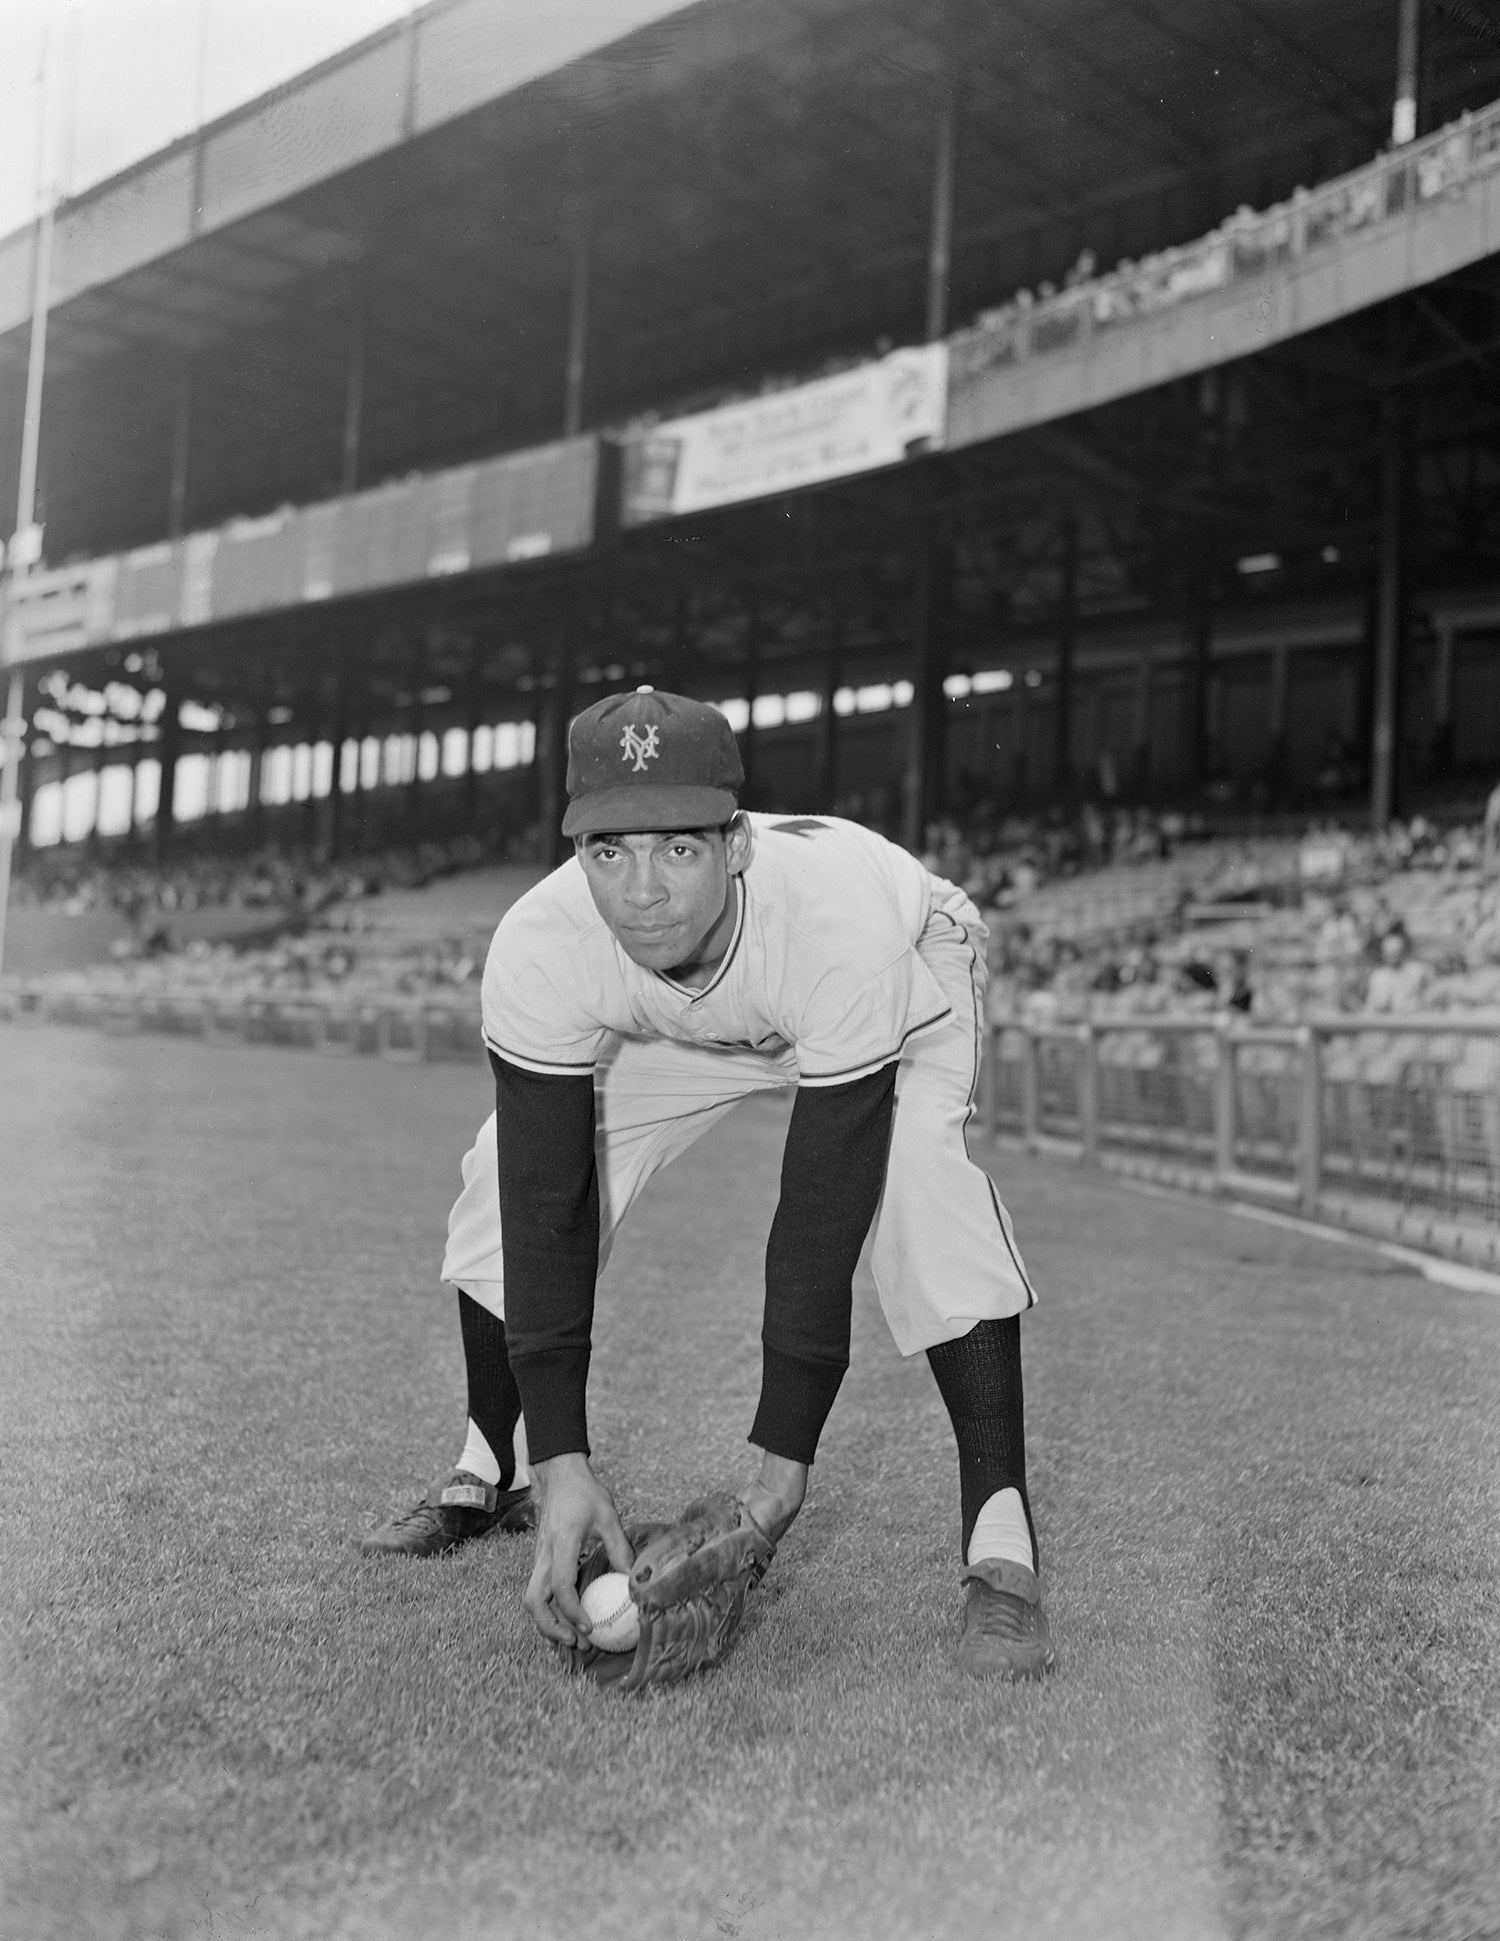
x: 1140, y: 780
x: 311, y: 808
x: 255, y: 807
x: 679, y: 654
x: 355, y: 815
x: 1021, y: 784
x: 554, y: 713
x: 354, y: 396
x: 213, y: 758
x: 940, y: 228
x: 748, y: 799
x: 64, y: 776
x: 169, y: 754
x: 473, y: 721
x: 100, y: 755
x: 1276, y: 754
x: 11, y: 825
x: 339, y: 735
x: 182, y: 432
x: 826, y: 794
x: 927, y: 742
x: 26, y: 548
x: 1063, y: 779
x: 140, y: 753
x: 26, y: 779
x: 1441, y: 753
x: 1202, y: 643
x: 578, y: 330
x: 1389, y: 626
x: 416, y: 718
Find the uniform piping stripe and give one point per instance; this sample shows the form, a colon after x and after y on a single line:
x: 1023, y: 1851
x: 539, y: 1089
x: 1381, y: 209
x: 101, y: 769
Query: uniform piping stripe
x: 885, y: 1057
x: 978, y: 1040
x: 530, y: 1064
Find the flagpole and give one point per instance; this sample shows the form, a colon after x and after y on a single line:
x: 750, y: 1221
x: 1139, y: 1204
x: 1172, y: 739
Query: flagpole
x: 25, y: 545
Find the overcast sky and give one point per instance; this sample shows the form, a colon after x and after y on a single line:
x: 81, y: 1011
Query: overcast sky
x: 124, y: 74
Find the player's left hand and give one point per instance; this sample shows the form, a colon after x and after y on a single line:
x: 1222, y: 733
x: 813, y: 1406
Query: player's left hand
x: 689, y: 1584
x: 573, y: 1506
x: 776, y: 1495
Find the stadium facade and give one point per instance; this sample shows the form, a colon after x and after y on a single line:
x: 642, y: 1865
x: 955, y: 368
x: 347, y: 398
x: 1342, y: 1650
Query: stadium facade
x: 989, y: 404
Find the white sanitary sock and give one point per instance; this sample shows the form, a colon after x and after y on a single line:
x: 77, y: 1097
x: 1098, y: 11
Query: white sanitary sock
x: 1000, y: 1531
x: 479, y: 1459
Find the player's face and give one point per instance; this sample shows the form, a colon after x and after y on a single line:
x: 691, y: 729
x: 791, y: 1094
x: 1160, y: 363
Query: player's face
x: 667, y: 897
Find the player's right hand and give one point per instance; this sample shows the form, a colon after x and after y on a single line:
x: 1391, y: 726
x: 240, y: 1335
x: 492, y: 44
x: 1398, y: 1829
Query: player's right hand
x: 573, y: 1506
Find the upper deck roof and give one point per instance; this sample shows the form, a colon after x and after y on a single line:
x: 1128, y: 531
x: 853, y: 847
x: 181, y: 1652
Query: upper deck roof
x: 447, y: 59
x: 754, y: 178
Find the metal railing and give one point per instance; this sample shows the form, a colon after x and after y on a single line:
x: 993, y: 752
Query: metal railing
x: 1241, y: 250
x: 1390, y: 1125
x: 1386, y: 1125
x: 408, y: 1029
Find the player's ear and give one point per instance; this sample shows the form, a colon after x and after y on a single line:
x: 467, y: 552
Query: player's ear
x: 737, y: 843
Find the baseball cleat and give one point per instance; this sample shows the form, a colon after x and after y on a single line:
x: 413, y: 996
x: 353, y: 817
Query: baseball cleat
x: 450, y: 1514
x: 1005, y: 1627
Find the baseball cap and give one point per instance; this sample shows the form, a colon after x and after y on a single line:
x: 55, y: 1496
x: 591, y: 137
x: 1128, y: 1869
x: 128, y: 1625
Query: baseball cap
x: 646, y: 761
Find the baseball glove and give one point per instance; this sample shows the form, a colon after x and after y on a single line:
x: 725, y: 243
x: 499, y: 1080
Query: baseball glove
x: 689, y: 1583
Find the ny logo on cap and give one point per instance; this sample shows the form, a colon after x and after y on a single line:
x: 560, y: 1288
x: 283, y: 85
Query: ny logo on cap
x: 640, y: 746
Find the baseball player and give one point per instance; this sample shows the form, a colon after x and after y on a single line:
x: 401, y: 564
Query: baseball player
x: 688, y: 955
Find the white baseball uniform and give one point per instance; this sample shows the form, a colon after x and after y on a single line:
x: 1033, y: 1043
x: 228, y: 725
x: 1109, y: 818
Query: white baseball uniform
x: 847, y: 955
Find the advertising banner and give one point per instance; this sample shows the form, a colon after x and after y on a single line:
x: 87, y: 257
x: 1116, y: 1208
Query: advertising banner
x: 59, y: 612
x: 877, y: 414
x: 528, y: 505
x: 524, y: 505
x: 256, y: 565
x: 148, y: 593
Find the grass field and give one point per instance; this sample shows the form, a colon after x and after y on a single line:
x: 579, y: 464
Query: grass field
x: 1265, y: 1471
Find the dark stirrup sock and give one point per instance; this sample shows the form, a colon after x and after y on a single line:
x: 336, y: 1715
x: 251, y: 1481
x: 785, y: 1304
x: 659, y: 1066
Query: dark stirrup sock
x: 494, y: 1399
x: 979, y: 1379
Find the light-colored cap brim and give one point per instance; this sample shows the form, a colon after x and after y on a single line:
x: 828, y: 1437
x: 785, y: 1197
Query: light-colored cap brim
x: 647, y: 807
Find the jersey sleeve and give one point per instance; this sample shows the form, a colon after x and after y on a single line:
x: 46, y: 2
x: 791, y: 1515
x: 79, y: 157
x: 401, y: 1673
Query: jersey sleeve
x: 549, y: 1223
x: 530, y: 1020
x: 832, y: 1170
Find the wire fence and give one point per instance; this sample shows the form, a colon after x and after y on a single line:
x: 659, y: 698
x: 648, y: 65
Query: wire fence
x: 1388, y: 1125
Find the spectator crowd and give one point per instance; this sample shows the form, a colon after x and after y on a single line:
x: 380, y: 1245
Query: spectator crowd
x: 77, y: 884
x: 1108, y: 915
x: 1147, y: 915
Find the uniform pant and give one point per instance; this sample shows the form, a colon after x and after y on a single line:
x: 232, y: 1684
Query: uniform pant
x: 944, y: 1255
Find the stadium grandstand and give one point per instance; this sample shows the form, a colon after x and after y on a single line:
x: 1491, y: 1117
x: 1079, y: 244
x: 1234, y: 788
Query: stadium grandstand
x: 992, y: 404
x: 1075, y: 421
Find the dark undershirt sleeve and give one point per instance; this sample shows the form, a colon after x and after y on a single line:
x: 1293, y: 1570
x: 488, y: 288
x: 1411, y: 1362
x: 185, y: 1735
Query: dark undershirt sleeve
x: 831, y: 1174
x: 549, y: 1218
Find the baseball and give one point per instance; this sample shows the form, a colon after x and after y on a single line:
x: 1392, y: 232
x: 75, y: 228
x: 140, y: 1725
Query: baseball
x: 616, y: 1621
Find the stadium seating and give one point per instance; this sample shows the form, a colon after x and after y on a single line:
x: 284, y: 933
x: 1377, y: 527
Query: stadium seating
x: 1277, y: 928
x: 1140, y: 917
